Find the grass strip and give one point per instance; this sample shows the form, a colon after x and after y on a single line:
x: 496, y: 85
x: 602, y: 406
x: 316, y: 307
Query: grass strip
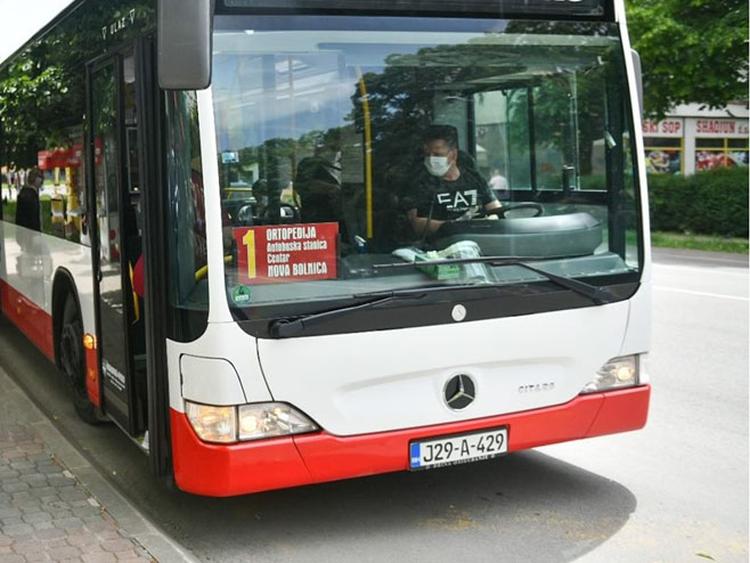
x: 699, y: 242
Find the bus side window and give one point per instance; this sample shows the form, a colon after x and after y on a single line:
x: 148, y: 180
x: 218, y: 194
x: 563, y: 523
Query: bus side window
x: 187, y: 224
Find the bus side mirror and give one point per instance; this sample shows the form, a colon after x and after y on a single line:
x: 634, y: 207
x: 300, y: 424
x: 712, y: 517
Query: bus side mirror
x: 638, y: 77
x: 184, y: 44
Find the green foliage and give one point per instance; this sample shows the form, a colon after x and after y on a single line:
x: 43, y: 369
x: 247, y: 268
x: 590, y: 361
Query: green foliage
x: 42, y: 88
x: 699, y: 242
x: 31, y: 95
x: 713, y: 203
x: 692, y: 51
x: 9, y: 211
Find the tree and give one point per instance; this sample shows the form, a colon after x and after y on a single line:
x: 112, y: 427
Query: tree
x: 42, y: 89
x: 30, y: 98
x: 692, y: 51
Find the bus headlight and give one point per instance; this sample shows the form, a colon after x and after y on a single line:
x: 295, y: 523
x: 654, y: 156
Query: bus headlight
x: 265, y: 420
x: 615, y: 374
x: 211, y: 423
x: 225, y: 425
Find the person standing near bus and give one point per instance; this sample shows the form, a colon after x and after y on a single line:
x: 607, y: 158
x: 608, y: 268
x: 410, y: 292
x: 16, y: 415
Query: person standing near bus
x: 27, y: 202
x: 446, y: 189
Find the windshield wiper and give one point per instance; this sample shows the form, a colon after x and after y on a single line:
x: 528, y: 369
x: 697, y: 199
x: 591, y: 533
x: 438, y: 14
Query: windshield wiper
x: 292, y: 326
x: 599, y: 295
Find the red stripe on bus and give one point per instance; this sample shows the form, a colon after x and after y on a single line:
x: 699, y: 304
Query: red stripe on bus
x: 215, y: 470
x: 30, y: 319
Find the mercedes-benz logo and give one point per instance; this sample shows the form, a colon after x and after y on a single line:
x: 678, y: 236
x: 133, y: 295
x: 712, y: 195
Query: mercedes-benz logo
x: 459, y: 392
x: 458, y: 313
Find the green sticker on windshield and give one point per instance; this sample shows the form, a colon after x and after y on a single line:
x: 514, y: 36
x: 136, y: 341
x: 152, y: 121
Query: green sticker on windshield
x: 241, y: 295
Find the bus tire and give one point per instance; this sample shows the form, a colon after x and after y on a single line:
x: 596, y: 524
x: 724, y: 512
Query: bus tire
x: 72, y: 361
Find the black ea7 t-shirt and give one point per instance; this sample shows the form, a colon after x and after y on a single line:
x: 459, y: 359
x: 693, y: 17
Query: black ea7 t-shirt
x: 442, y: 200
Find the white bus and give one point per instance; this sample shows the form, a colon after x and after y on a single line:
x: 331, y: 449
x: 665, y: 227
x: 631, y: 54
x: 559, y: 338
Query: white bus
x: 283, y: 242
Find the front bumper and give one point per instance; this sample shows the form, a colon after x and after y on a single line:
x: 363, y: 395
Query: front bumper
x: 227, y: 470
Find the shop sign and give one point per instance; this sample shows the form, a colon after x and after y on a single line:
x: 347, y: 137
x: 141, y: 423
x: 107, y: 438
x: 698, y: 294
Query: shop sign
x: 67, y: 158
x: 60, y: 158
x: 664, y: 128
x: 287, y: 253
x: 721, y: 127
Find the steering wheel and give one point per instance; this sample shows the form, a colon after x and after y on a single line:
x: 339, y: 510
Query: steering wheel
x: 501, y: 211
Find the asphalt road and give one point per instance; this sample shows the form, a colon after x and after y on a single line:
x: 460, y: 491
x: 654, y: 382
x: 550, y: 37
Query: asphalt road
x: 675, y: 491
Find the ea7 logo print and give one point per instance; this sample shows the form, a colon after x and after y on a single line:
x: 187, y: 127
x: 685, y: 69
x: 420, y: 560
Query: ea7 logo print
x: 458, y: 200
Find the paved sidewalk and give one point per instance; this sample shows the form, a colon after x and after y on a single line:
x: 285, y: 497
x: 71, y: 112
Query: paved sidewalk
x: 46, y: 514
x: 55, y: 506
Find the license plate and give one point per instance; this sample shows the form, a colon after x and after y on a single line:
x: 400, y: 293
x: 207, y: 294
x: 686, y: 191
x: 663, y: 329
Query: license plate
x: 460, y: 448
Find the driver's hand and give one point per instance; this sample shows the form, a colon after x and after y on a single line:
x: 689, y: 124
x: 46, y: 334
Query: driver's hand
x: 469, y: 215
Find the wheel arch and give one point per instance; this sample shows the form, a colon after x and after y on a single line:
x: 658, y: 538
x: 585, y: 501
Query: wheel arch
x: 63, y: 285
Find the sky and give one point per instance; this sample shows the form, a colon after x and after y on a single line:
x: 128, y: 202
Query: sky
x: 20, y: 19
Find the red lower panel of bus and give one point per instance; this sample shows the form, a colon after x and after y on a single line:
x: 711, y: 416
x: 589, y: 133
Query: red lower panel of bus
x: 214, y: 470
x: 30, y: 319
x: 36, y: 324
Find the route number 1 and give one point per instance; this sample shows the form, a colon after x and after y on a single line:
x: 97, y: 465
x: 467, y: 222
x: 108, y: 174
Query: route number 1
x: 249, y: 241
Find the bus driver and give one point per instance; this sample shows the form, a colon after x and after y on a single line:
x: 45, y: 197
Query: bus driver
x: 446, y: 189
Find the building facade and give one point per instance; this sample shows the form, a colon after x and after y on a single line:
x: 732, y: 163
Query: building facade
x: 692, y: 138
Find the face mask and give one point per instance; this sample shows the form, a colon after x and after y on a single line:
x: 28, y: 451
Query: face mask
x: 437, y: 165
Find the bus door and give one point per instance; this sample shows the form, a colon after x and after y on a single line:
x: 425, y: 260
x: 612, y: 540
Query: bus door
x: 116, y: 212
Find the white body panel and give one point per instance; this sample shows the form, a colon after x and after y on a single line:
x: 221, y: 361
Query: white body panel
x: 32, y: 259
x: 210, y: 380
x: 218, y: 310
x: 223, y: 342
x: 638, y: 335
x: 639, y: 152
x: 386, y: 380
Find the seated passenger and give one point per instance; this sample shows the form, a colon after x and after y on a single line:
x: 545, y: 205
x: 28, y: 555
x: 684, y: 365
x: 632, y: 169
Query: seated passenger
x: 445, y: 190
x: 318, y: 183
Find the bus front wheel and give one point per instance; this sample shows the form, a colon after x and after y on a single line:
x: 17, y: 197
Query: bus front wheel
x: 72, y: 361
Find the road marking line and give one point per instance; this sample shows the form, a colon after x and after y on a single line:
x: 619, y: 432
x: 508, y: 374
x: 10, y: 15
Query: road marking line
x: 701, y: 293
x: 707, y: 270
x: 741, y: 263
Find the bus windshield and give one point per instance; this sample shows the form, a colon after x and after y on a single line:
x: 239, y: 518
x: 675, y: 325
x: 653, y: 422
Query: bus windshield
x: 347, y: 145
